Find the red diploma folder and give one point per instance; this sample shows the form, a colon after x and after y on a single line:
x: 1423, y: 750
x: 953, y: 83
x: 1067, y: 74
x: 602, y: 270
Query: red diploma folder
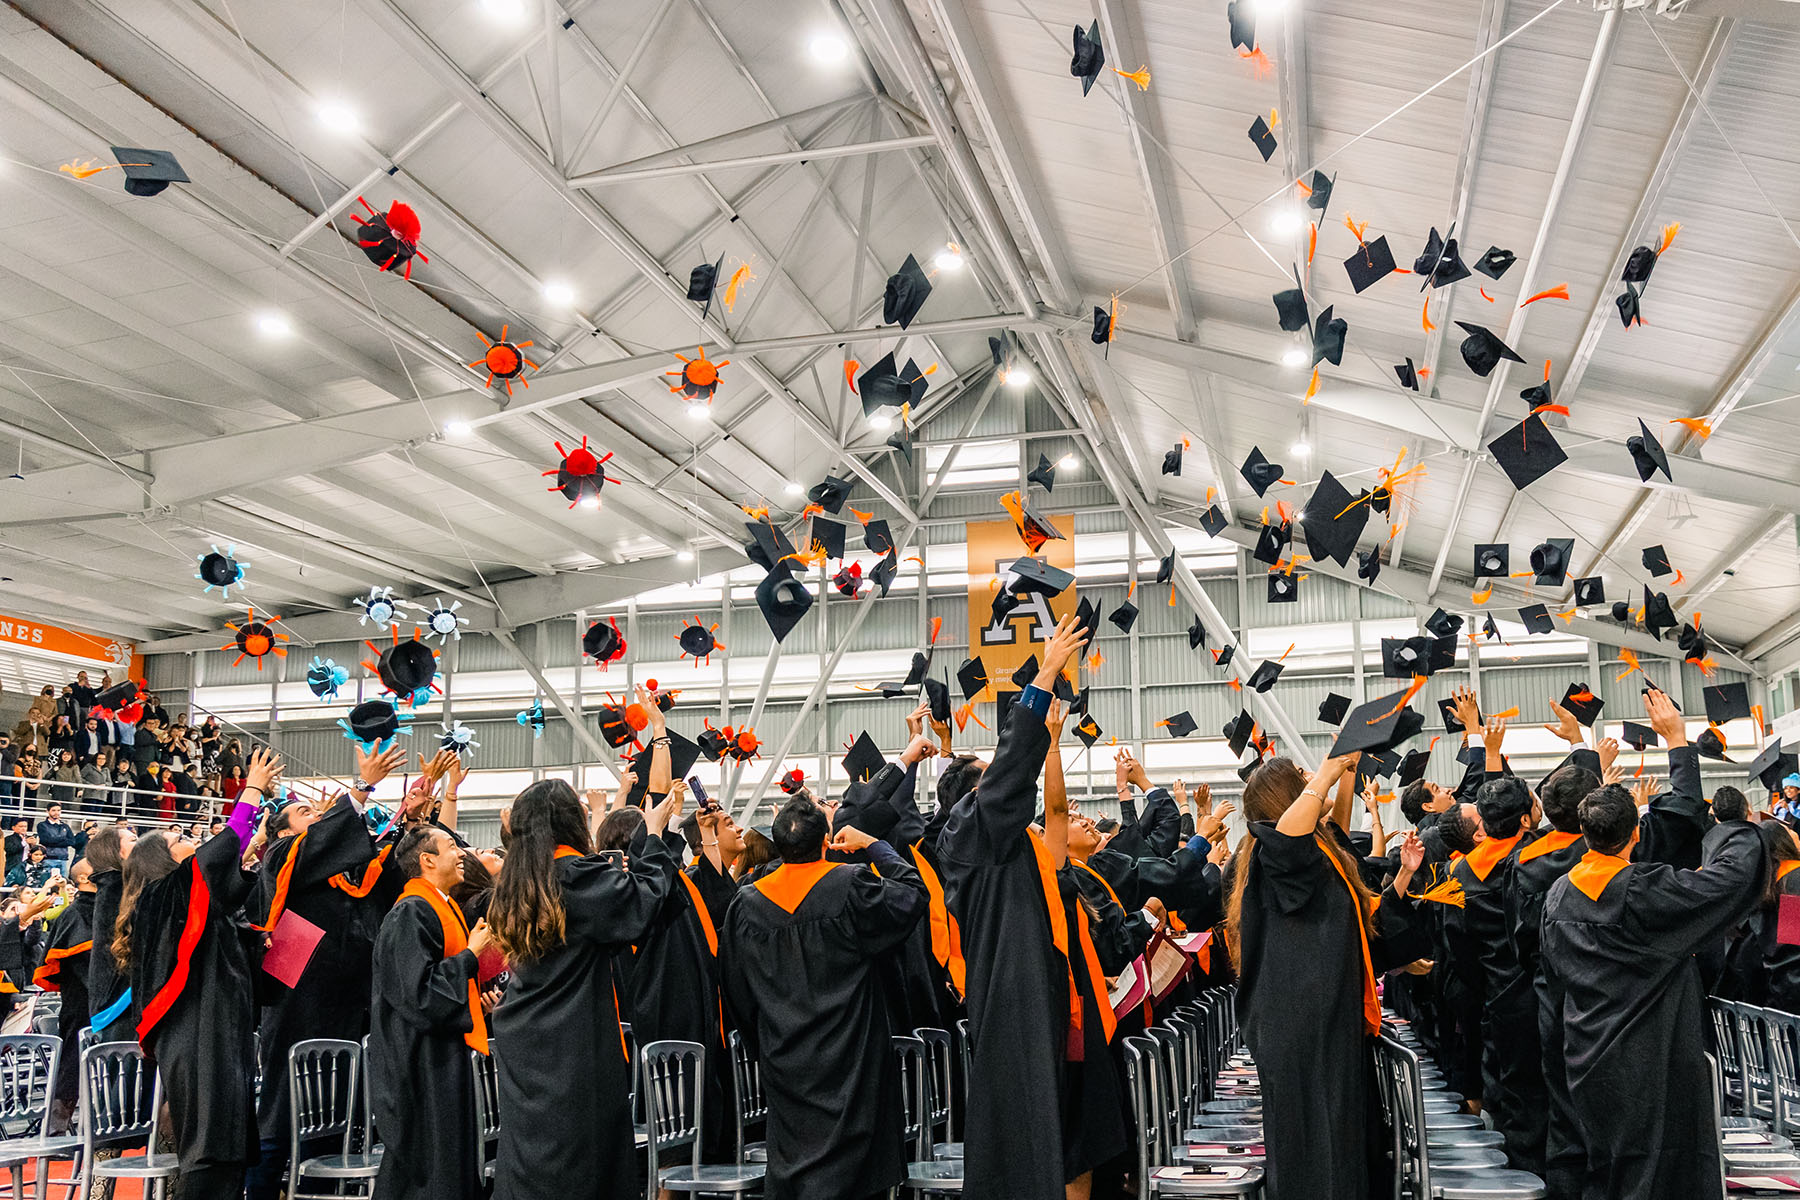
x: 291, y: 947
x: 1787, y: 925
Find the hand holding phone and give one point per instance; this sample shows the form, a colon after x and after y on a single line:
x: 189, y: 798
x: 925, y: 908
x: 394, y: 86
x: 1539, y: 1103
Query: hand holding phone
x: 698, y: 791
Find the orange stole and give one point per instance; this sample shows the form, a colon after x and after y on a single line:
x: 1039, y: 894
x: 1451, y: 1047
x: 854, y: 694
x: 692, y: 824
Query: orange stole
x: 1550, y: 843
x: 456, y: 940
x: 787, y: 886
x: 283, y: 878
x: 1371, y: 1002
x: 1059, y: 936
x: 1485, y: 857
x: 1594, y: 872
x: 371, y: 874
x: 946, y: 937
x: 45, y: 976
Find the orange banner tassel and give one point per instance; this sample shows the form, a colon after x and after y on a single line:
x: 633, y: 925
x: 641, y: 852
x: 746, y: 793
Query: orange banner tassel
x: 1695, y: 425
x: 1141, y: 77
x: 1559, y: 292
x: 1668, y: 237
x: 1425, y: 316
x: 1629, y: 657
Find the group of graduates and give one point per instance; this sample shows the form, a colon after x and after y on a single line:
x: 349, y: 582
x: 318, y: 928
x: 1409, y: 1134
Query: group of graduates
x: 1559, y: 971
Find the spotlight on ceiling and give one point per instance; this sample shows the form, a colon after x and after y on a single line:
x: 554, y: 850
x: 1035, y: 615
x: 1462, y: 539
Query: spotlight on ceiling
x: 1293, y: 356
x: 684, y: 555
x: 458, y: 429
x: 880, y: 421
x: 829, y: 48
x: 950, y: 258
x: 1018, y: 377
x: 559, y: 293
x: 1067, y: 462
x: 274, y: 325
x: 339, y: 118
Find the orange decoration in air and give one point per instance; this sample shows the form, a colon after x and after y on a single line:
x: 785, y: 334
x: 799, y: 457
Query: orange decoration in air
x: 255, y: 639
x: 504, y: 360
x: 699, y: 378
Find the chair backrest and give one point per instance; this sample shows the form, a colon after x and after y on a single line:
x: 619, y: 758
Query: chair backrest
x: 324, y: 1079
x: 1187, y: 1044
x: 486, y: 1073
x: 1718, y: 1119
x: 27, y: 1074
x: 1783, y: 1031
x: 968, y: 1051
x: 1725, y: 1045
x: 670, y: 1076
x: 85, y: 1038
x: 628, y: 1039
x: 1175, y: 1070
x: 915, y: 1094
x: 1139, y: 1054
x: 1408, y: 1100
x: 120, y: 1094
x: 746, y: 1086
x: 940, y: 1112
x: 1753, y: 1051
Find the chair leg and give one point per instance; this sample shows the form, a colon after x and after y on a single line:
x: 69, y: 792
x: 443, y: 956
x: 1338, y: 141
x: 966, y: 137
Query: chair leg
x: 18, y: 1181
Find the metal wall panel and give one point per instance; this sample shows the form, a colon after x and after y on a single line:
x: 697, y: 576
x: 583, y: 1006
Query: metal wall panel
x: 1624, y: 697
x: 1210, y: 704
x: 318, y: 751
x: 1694, y: 685
x: 1321, y: 599
x: 1377, y: 605
x: 479, y: 652
x: 168, y: 672
x: 560, y: 642
x: 1530, y: 689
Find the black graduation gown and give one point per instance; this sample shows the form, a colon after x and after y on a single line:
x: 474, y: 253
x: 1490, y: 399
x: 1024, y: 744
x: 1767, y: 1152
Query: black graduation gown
x: 1780, y: 963
x: 1496, y: 1000
x: 1620, y: 974
x: 797, y: 960
x: 1541, y: 1127
x: 421, y: 1090
x: 1184, y: 881
x: 331, y: 1000
x: 1678, y: 817
x: 1096, y: 1121
x: 191, y: 987
x: 1152, y: 834
x: 560, y: 1022
x: 70, y: 939
x: 1018, y: 985
x: 105, y: 982
x: 1301, y: 1004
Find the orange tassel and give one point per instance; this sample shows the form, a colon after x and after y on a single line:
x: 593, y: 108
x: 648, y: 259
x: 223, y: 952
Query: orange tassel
x: 1629, y: 657
x: 1358, y: 230
x: 862, y: 518
x: 1274, y: 116
x: 739, y: 278
x: 1679, y: 576
x: 1668, y: 237
x: 1483, y: 595
x: 1095, y: 661
x: 1259, y: 59
x: 1550, y: 408
x: 1569, y: 615
x: 1425, y: 316
x: 1695, y: 425
x: 937, y: 626
x: 1405, y: 699
x: 1559, y: 292
x: 755, y: 514
x: 1448, y: 892
x: 1312, y: 389
x: 1141, y: 77
x: 1707, y: 665
x: 1312, y: 242
x: 1484, y: 295
x: 1508, y: 715
x: 1756, y: 714
x: 1546, y: 370
x: 851, y: 367
x: 812, y: 510
x: 1236, y: 684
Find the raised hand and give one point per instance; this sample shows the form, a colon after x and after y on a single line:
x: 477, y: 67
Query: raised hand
x: 915, y: 720
x: 1053, y: 720
x: 1412, y: 851
x: 1642, y: 790
x: 264, y: 769
x: 1493, y: 734
x: 1665, y: 719
x: 1062, y: 646
x: 371, y: 767
x: 1465, y: 709
x: 652, y: 711
x: 850, y: 839
x: 1567, y: 727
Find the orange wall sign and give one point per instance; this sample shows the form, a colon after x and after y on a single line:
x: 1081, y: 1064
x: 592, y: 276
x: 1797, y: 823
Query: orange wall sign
x: 1005, y: 646
x: 38, y: 635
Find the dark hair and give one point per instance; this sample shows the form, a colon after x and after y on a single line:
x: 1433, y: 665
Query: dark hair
x: 758, y: 851
x: 800, y: 831
x: 1562, y: 794
x: 1729, y: 804
x: 283, y: 818
x: 1609, y: 817
x: 1457, y: 827
x: 527, y: 914
x: 476, y: 879
x: 103, y: 849
x: 422, y: 840
x: 618, y: 829
x: 690, y: 830
x: 149, y: 861
x: 1504, y: 805
x: 958, y: 778
x: 1413, y: 799
x: 1779, y: 846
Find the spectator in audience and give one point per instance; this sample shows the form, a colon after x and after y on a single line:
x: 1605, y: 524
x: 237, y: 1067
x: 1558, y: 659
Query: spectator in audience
x: 19, y: 840
x: 54, y: 834
x: 231, y: 784
x: 69, y: 937
x: 216, y: 828
x: 21, y: 940
x: 38, y: 868
x: 65, y: 703
x: 232, y: 756
x: 95, y: 735
x: 83, y: 693
x: 43, y: 709
x: 153, y: 708
x: 28, y: 772
x: 9, y: 756
x: 95, y: 775
x: 62, y: 733
x: 66, y: 778
x: 208, y: 742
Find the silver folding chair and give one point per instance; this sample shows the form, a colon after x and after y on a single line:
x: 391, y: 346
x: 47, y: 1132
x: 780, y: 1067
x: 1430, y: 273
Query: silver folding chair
x: 1154, y: 1115
x: 1442, y: 1173
x: 120, y: 1096
x: 670, y: 1080
x: 28, y: 1065
x: 486, y: 1072
x: 940, y: 1113
x: 752, y: 1107
x: 324, y: 1080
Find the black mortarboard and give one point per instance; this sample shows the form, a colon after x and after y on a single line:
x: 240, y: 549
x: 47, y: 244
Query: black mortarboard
x: 1283, y: 588
x: 1656, y: 561
x: 1090, y: 56
x: 1447, y: 710
x: 1537, y: 395
x: 1483, y: 349
x: 831, y: 494
x: 1490, y: 629
x: 702, y: 280
x: 1370, y: 263
x: 1370, y: 765
x: 1450, y: 268
x: 1550, y: 560
x: 1368, y: 564
x: 1443, y: 655
x: 1237, y: 732
x: 1647, y: 453
x: 1034, y: 527
x: 1333, y: 708
x: 1494, y: 263
x: 602, y: 642
x: 1590, y: 589
x: 1214, y: 521
x: 1403, y: 658
x: 1536, y: 618
x: 1442, y: 624
x: 375, y: 721
x: 1726, y: 702
x: 1621, y: 611
x: 1271, y: 540
x: 1065, y: 691
x: 1692, y: 640
x: 937, y: 694
x: 1088, y: 730
x: 1246, y: 770
x: 405, y: 667
x: 972, y: 677
x: 1265, y: 675
x: 1087, y: 619
x: 1711, y: 745
x: 1658, y: 615
x: 148, y: 172
x: 882, y: 573
x: 921, y: 665
x: 1630, y: 311
x: 1179, y: 725
x: 1333, y: 520
x: 1328, y: 338
x: 878, y: 537
x: 901, y: 440
x: 1377, y: 726
x: 1638, y: 737
x: 1171, y: 464
x: 1318, y: 191
x: 1583, y: 704
x: 1429, y: 257
x: 1044, y: 474
x: 768, y: 545
x: 712, y: 741
x: 1165, y: 570
x: 1103, y: 325
x: 1223, y: 658
x: 1527, y: 452
x: 119, y: 695
x: 1408, y: 374
x: 1035, y: 575
x: 1124, y: 616
x: 864, y: 757
x: 1771, y: 766
x: 1196, y: 635
x: 1242, y: 16
x: 1492, y: 560
x: 1027, y: 673
x: 830, y: 535
x: 683, y: 754
x: 1262, y: 137
x: 1412, y: 767
x: 885, y: 385
x: 1290, y: 307
x: 783, y: 601
x: 1259, y: 472
x: 1639, y: 265
x: 906, y: 294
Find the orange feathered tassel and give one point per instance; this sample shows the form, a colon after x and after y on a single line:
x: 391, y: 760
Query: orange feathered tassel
x: 937, y: 626
x: 1425, y: 316
x: 1483, y: 596
x: 1405, y: 699
x: 1312, y: 389
x: 1484, y: 295
x: 1629, y: 657
x: 1141, y: 77
x: 739, y: 278
x: 1358, y: 230
x: 851, y: 367
x: 862, y: 518
x: 1259, y: 59
x: 1095, y: 661
x: 1668, y: 237
x: 1697, y: 425
x: 1312, y: 242
x: 1448, y: 892
x: 1559, y: 292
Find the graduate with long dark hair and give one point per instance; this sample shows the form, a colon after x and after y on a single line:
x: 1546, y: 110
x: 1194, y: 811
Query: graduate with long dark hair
x: 108, y: 987
x: 191, y: 984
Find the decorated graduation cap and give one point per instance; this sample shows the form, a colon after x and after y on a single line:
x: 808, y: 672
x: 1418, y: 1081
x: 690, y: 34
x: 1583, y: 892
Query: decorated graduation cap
x: 1483, y: 350
x: 849, y: 580
x: 620, y: 724
x: 374, y: 724
x: 1590, y: 589
x: 1636, y: 275
x: 1656, y: 561
x: 1772, y: 766
x: 1213, y: 520
x: 1550, y: 561
x: 388, y: 239
x: 698, y: 641
x: 1369, y: 264
x: 1044, y: 474
x: 1283, y: 588
x: 324, y: 677
x: 1179, y: 725
x: 1034, y: 527
x: 1333, y: 520
x: 581, y: 474
x: 1440, y: 263
x: 863, y: 757
x: 1726, y: 702
x: 1408, y: 375
x: 220, y: 569
x: 1259, y: 472
x: 683, y: 754
x: 459, y: 738
x: 1495, y: 262
x: 503, y: 360
x: 1527, y: 452
x: 1711, y: 744
x: 878, y: 536
x: 532, y: 718
x: 783, y: 600
x: 907, y: 290
x: 1447, y: 711
x: 1262, y: 137
x: 406, y: 668
x: 1490, y: 629
x: 972, y: 677
x: 1378, y: 725
x: 255, y: 639
x: 1106, y: 321
x: 1328, y: 338
x: 1403, y: 658
x: 1088, y: 730
x: 147, y: 172
x: 1271, y: 540
x: 1582, y: 703
x: 829, y: 535
x: 1492, y: 560
x: 1536, y: 619
x: 1647, y: 453
x: 1089, y: 57
x: 830, y: 494
x: 1333, y: 709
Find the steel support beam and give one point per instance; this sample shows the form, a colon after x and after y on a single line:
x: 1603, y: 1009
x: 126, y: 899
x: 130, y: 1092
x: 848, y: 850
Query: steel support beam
x: 577, y: 726
x: 721, y: 141
x: 1718, y: 572
x: 613, y: 175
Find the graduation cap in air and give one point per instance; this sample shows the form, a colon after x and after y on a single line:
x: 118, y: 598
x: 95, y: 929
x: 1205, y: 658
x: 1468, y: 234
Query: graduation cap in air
x: 1124, y: 616
x: 1658, y: 615
x: 1004, y: 602
x: 1105, y: 320
x: 882, y: 573
x: 1621, y: 611
x: 937, y: 694
x: 374, y: 722
x: 1403, y: 658
x: 1171, y: 464
x: 1726, y: 702
x: 1283, y: 588
x: 1213, y: 520
x: 1378, y: 725
x: 1647, y: 453
x: 1656, y: 561
x: 1494, y: 263
x: 702, y: 280
x: 1241, y: 14
x: 1237, y: 732
x: 1492, y: 560
x: 1772, y: 766
x: 1412, y: 767
x: 884, y: 385
x: 972, y: 677
x: 1441, y: 624
x: 1262, y: 137
x: 1630, y: 306
x: 1035, y: 575
x: 1087, y: 619
x: 1090, y: 56
x: 1290, y: 307
x: 405, y: 667
x: 1443, y: 268
x: 1318, y: 192
x: 1368, y: 564
x: 1536, y: 619
x: 1550, y: 561
x: 1165, y: 570
x: 768, y: 545
x: 1583, y: 704
x: 1196, y: 634
x: 1537, y: 395
x: 1179, y: 725
x: 1490, y: 629
x: 603, y: 642
x: 1328, y: 338
x: 830, y: 535
x: 683, y: 754
x: 121, y: 695
x: 1333, y: 709
x: 863, y: 758
x: 1638, y: 737
x: 1447, y: 711
x: 1590, y: 589
x: 831, y: 494
x: 907, y: 290
x: 1408, y: 375
x: 1044, y: 474
x: 1088, y: 730
x: 1027, y: 673
x: 921, y: 666
x: 1711, y: 744
x: 1265, y: 675
x: 1377, y: 766
x: 783, y: 600
x: 901, y: 440
x: 1034, y: 527
x: 1527, y: 452
x: 1334, y: 520
x: 148, y: 172
x: 1222, y: 658
x: 1259, y: 472
x: 878, y: 536
x: 1369, y: 264
x: 1483, y: 349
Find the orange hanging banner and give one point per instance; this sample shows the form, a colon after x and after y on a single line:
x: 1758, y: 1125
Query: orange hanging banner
x: 1005, y: 645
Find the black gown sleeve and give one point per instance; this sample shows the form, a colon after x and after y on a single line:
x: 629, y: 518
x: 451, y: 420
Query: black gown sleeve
x: 1680, y: 912
x: 885, y: 907
x: 607, y: 905
x: 413, y: 976
x: 1006, y: 798
x: 1292, y: 868
x: 217, y: 862
x: 1160, y: 823
x: 1677, y: 818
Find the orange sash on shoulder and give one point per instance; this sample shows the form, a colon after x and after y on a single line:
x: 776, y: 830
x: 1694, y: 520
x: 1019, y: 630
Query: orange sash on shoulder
x: 456, y: 940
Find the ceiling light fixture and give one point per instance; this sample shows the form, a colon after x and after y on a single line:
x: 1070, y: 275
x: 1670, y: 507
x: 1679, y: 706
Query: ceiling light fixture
x: 339, y: 117
x: 590, y: 501
x: 1286, y: 221
x: 880, y: 421
x: 950, y: 258
x: 793, y: 489
x: 458, y: 429
x: 274, y: 325
x: 1068, y: 462
x: 697, y: 411
x: 684, y: 555
x: 559, y: 293
x: 1293, y: 356
x: 1300, y: 448
x: 1018, y: 377
x: 510, y: 12
x: 829, y: 48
